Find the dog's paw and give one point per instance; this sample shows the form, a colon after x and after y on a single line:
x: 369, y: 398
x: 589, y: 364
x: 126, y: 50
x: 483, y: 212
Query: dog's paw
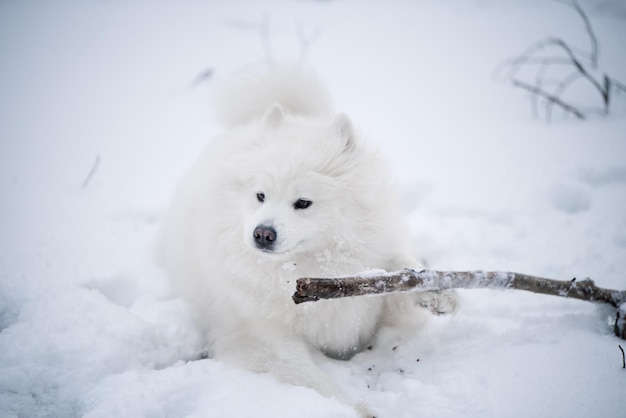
x: 439, y: 302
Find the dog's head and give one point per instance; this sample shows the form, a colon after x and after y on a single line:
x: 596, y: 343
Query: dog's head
x: 295, y: 192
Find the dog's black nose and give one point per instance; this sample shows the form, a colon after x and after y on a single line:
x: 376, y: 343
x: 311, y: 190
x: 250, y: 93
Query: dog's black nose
x: 264, y: 237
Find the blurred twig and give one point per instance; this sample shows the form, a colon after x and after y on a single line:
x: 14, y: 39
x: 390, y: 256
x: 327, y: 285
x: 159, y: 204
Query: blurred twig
x: 205, y: 75
x: 306, y: 41
x: 555, y: 52
x: 92, y: 172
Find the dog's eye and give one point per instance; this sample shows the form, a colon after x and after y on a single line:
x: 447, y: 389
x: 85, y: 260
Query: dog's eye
x: 260, y: 197
x: 302, y: 204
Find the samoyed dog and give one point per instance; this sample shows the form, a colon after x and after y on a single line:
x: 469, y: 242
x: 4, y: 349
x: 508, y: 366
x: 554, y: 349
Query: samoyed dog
x: 289, y: 190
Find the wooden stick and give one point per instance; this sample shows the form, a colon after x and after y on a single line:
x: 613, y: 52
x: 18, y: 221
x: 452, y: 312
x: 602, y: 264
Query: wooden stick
x: 313, y: 289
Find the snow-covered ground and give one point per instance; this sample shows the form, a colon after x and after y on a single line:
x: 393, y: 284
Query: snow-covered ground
x: 86, y: 324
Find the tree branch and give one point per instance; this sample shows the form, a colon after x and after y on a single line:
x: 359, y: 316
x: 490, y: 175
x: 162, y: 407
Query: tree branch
x: 306, y: 41
x: 555, y: 52
x: 593, y: 40
x: 312, y: 289
x: 92, y: 171
x: 556, y: 94
x: 550, y: 98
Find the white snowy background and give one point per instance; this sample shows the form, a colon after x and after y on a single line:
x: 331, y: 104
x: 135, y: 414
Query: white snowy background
x: 87, y: 327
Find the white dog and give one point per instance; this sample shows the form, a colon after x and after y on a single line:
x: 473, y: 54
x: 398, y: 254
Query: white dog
x: 288, y: 191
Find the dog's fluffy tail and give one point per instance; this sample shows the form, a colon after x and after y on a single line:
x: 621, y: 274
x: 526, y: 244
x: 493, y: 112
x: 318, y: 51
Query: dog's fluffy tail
x: 298, y: 91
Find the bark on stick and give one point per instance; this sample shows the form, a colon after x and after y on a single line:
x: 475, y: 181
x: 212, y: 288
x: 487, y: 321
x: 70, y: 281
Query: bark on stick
x: 312, y: 289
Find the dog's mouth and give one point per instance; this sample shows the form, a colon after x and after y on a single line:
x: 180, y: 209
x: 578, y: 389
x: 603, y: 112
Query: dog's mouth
x: 266, y: 240
x: 273, y: 252
x: 270, y: 252
x: 276, y: 251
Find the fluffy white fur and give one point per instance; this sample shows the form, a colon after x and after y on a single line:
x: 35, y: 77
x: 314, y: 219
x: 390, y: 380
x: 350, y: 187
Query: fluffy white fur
x: 284, y: 143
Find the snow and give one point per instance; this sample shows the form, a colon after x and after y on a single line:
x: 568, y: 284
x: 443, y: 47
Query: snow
x: 87, y: 325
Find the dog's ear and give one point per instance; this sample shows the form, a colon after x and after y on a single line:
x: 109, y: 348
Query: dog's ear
x: 274, y: 116
x: 341, y: 126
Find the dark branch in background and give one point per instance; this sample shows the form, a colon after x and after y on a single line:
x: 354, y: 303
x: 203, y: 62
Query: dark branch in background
x: 593, y: 56
x: 555, y: 52
x: 205, y: 75
x: 539, y: 92
x: 91, y: 173
x: 313, y: 289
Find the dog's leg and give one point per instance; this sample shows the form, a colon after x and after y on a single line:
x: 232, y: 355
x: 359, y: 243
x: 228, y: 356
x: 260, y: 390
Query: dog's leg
x: 287, y: 359
x: 438, y: 301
